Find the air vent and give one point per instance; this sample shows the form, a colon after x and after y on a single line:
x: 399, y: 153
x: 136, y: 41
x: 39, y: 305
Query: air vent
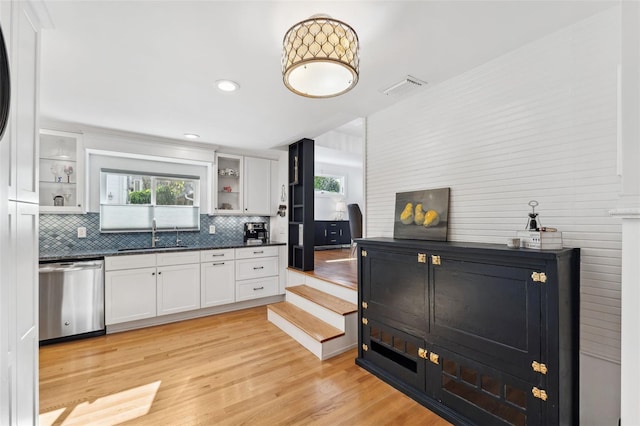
x: 405, y: 86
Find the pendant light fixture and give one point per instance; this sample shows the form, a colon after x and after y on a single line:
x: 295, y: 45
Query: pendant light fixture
x: 320, y: 57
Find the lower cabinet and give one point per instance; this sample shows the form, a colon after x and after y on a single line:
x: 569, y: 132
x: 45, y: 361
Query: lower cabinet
x: 257, y: 273
x: 130, y: 295
x: 142, y: 286
x: 178, y: 288
x: 331, y: 233
x: 217, y: 278
x: 148, y: 285
x: 480, y: 334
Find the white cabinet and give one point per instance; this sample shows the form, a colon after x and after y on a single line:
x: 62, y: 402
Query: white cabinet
x: 148, y: 285
x: 130, y: 294
x: 257, y: 273
x: 178, y: 284
x: 243, y: 185
x: 19, y: 216
x: 228, y: 196
x: 61, y: 172
x: 257, y: 186
x: 217, y: 277
x: 24, y: 46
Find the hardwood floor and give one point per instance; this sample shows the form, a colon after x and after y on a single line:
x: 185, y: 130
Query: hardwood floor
x: 228, y: 369
x: 338, y: 265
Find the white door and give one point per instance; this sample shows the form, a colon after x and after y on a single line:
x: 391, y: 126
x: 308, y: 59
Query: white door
x: 217, y: 283
x: 257, y: 186
x: 25, y: 242
x: 178, y: 288
x: 130, y: 295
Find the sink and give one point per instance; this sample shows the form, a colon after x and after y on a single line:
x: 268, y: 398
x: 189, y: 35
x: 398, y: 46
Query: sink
x: 153, y: 248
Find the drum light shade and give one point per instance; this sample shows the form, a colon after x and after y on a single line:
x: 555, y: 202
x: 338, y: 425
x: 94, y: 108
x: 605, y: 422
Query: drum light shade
x: 320, y: 57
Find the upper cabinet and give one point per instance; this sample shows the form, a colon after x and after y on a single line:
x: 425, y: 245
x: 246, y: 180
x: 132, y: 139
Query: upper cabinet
x: 61, y: 172
x: 228, y: 197
x: 243, y: 185
x: 257, y: 185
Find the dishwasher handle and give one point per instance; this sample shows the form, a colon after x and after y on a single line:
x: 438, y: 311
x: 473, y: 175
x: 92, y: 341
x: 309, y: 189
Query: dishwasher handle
x: 70, y: 266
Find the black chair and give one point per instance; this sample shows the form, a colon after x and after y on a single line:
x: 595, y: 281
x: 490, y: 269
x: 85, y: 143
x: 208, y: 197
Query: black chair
x: 355, y: 223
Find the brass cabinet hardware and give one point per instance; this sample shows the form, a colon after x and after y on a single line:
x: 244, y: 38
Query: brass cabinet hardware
x: 539, y: 393
x: 364, y: 253
x: 422, y: 353
x: 422, y: 258
x: 435, y: 260
x: 365, y: 321
x: 365, y: 305
x: 538, y: 367
x: 365, y: 347
x: 539, y: 277
x: 434, y: 358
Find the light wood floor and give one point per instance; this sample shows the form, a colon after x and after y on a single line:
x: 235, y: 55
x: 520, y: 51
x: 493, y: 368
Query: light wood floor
x: 338, y: 265
x: 228, y: 369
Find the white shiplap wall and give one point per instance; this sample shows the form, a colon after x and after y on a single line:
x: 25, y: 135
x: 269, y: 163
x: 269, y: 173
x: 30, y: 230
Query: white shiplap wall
x: 538, y: 123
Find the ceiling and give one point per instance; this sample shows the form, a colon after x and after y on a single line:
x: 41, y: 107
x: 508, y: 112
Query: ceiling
x: 149, y: 67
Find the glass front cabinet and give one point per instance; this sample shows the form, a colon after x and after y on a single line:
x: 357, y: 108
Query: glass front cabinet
x: 228, y: 195
x: 61, y: 172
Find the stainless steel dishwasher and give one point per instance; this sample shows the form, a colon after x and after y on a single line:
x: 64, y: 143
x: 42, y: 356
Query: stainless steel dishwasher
x: 71, y: 300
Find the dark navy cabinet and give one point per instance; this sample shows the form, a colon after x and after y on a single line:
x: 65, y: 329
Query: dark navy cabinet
x: 481, y: 334
x: 330, y: 233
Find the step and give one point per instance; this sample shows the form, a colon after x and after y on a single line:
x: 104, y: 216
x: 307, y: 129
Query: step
x: 322, y: 284
x: 328, y: 301
x: 311, y: 325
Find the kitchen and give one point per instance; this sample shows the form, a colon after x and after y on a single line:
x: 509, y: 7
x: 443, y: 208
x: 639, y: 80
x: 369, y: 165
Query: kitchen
x: 602, y: 278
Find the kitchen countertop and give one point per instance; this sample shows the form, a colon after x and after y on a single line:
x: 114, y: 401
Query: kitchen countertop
x: 92, y: 254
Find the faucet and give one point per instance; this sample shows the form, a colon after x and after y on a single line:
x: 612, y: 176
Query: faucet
x: 178, y: 240
x: 154, y: 227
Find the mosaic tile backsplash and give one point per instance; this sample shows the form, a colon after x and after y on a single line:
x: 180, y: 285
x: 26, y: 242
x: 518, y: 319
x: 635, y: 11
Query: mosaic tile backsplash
x: 58, y: 233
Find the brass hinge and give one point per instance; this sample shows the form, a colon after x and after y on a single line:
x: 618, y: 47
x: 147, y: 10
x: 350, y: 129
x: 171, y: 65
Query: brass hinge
x: 539, y: 393
x: 364, y: 253
x: 365, y: 347
x: 365, y: 305
x: 538, y: 367
x: 365, y: 321
x: 435, y: 260
x: 422, y: 353
x: 422, y: 258
x: 434, y: 358
x: 539, y: 277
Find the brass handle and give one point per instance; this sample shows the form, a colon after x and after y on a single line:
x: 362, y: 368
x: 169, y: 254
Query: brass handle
x: 539, y: 367
x: 435, y: 260
x: 422, y: 353
x: 365, y: 347
x: 365, y: 321
x: 434, y: 358
x: 539, y: 393
x: 365, y: 305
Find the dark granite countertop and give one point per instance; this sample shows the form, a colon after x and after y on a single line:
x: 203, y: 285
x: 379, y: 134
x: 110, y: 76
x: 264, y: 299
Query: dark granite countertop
x: 93, y: 254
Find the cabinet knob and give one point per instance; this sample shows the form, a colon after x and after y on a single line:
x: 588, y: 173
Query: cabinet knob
x: 153, y: 273
x: 159, y: 273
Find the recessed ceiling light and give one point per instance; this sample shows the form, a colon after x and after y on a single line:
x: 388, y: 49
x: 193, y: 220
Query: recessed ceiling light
x: 227, y: 85
x: 191, y: 136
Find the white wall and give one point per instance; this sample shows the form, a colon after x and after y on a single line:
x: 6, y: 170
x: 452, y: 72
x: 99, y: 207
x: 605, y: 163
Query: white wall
x: 539, y: 123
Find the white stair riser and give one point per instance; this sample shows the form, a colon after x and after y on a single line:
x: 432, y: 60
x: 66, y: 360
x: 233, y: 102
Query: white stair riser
x: 295, y: 278
x: 332, y: 318
x: 298, y: 335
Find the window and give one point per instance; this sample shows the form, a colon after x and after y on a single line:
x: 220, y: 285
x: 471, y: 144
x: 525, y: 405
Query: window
x: 329, y: 184
x: 129, y: 201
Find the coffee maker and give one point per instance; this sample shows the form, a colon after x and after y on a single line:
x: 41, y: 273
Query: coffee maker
x: 256, y: 233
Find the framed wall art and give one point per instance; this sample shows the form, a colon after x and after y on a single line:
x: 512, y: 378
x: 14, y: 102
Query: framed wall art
x: 422, y: 215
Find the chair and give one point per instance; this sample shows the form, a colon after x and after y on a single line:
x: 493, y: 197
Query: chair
x: 355, y: 223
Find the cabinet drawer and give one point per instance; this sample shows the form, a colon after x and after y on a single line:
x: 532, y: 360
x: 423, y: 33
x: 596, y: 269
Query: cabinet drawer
x: 252, y: 252
x: 253, y: 289
x: 178, y: 258
x: 114, y: 263
x: 217, y: 255
x: 256, y: 268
